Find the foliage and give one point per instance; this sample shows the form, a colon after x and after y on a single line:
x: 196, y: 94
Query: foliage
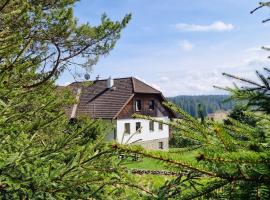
x: 255, y: 95
x: 177, y: 141
x: 42, y: 155
x: 209, y: 103
x: 238, y: 113
x: 225, y: 167
x: 43, y: 36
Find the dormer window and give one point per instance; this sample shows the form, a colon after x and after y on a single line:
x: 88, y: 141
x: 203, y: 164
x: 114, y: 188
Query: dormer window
x: 151, y: 105
x: 138, y: 127
x: 138, y: 105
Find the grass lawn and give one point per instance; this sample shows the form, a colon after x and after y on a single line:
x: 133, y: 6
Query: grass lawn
x: 153, y: 164
x: 154, y: 182
x: 146, y: 163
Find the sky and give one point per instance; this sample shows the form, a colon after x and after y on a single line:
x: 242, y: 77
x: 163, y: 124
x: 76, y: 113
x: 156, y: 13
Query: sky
x: 181, y: 47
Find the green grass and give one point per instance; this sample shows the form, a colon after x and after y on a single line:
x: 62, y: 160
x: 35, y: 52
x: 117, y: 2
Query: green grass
x: 146, y: 163
x: 153, y: 164
x: 154, y: 182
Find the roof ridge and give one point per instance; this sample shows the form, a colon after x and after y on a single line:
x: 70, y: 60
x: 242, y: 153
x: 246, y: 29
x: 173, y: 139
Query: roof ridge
x: 128, y: 77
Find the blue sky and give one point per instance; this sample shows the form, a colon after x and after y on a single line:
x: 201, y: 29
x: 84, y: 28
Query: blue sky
x: 180, y: 46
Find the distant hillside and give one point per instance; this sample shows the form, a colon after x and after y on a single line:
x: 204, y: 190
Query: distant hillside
x: 210, y: 103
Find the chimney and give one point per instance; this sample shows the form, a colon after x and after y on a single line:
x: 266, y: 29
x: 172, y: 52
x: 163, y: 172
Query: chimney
x: 110, y: 83
x: 97, y: 78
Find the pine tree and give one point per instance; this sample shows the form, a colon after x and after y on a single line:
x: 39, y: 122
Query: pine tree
x: 255, y: 95
x: 238, y: 113
x: 42, y: 155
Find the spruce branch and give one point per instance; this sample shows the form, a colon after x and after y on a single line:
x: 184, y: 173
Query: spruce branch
x: 161, y: 158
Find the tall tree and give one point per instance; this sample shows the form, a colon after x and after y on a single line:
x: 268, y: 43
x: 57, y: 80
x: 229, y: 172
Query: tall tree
x: 256, y: 95
x: 42, y: 156
x: 44, y: 36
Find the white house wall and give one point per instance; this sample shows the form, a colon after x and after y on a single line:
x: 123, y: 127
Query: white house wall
x: 145, y: 135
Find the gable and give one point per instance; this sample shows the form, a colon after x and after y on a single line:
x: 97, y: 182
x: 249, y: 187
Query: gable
x: 159, y: 110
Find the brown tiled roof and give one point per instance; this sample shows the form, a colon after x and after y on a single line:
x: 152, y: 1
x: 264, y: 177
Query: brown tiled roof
x: 98, y: 101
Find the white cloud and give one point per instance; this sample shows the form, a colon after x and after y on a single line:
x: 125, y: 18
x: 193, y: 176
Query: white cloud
x: 217, y: 26
x: 186, y: 45
x: 200, y: 75
x: 201, y: 81
x: 164, y: 79
x: 254, y: 49
x: 258, y: 49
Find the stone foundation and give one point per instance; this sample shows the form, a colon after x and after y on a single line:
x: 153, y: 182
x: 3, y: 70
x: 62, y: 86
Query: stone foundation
x: 155, y: 144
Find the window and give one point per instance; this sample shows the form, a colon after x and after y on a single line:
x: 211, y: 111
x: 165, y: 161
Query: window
x: 151, y: 126
x: 114, y: 134
x: 138, y: 105
x: 127, y: 128
x: 160, y: 126
x: 160, y: 145
x: 138, y: 127
x: 151, y: 104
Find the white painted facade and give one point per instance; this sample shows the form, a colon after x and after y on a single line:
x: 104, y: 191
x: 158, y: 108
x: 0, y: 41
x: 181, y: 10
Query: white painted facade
x: 144, y: 135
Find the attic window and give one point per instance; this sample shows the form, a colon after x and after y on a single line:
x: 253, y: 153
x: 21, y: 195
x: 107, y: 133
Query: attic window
x: 152, y: 104
x: 138, y: 105
x: 138, y: 127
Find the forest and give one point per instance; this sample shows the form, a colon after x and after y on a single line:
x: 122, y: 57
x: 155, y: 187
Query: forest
x: 209, y: 103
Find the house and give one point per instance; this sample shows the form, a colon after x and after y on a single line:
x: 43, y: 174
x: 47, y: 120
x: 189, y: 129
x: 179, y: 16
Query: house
x: 116, y: 100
